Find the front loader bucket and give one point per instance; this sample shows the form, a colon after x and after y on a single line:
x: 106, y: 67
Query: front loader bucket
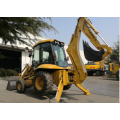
x: 11, y: 84
x: 90, y: 54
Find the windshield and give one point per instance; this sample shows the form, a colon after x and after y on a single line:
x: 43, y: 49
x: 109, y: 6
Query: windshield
x: 60, y: 56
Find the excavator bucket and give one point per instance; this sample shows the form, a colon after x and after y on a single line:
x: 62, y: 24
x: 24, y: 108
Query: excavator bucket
x: 11, y: 84
x: 90, y: 54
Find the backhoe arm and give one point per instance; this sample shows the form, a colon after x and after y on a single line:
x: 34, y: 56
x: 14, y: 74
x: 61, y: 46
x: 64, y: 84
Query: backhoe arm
x: 73, y: 49
x: 85, y: 26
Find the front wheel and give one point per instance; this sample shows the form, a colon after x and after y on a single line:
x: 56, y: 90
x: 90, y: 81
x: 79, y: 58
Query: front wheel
x: 43, y: 82
x: 20, y: 86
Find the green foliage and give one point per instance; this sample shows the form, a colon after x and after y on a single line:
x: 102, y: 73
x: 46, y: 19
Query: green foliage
x: 7, y: 72
x: 20, y: 28
x: 4, y: 57
x: 114, y: 57
x: 11, y: 72
x: 1, y: 56
x: 3, y: 72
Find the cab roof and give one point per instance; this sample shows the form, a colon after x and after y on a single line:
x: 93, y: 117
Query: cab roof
x: 48, y: 40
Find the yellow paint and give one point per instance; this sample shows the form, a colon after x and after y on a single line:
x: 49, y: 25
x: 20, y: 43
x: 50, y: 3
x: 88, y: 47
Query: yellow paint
x: 64, y: 73
x: 55, y: 76
x: 86, y: 91
x: 51, y: 66
x: 29, y: 82
x: 114, y: 67
x: 99, y: 65
x: 39, y: 83
x: 59, y: 91
x: 92, y: 67
x: 88, y: 22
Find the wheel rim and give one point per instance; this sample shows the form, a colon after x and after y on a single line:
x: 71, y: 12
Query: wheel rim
x: 19, y: 86
x: 39, y: 83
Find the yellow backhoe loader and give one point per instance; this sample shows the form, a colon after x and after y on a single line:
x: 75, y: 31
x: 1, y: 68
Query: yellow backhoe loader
x: 113, y: 69
x: 96, y: 68
x: 49, y: 62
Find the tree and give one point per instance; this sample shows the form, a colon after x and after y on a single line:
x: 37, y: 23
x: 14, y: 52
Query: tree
x: 114, y: 57
x: 20, y: 28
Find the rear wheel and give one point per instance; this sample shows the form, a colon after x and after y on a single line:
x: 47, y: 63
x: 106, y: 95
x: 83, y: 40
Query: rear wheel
x: 117, y: 75
x: 43, y: 82
x: 20, y: 85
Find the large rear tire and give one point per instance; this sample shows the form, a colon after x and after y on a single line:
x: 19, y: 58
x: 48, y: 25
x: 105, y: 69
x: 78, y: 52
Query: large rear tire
x: 43, y: 82
x: 117, y: 75
x: 20, y: 86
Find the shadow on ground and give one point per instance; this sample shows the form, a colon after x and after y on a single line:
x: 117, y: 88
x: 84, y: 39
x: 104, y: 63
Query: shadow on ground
x: 65, y: 95
x: 31, y: 93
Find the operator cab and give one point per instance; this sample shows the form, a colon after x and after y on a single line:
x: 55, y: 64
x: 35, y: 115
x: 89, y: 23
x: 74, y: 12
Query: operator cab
x: 49, y: 52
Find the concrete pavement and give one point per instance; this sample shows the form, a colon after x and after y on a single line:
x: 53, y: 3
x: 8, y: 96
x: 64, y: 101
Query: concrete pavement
x: 102, y: 89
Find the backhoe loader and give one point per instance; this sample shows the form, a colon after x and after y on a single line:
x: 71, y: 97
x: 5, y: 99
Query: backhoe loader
x: 96, y: 68
x: 49, y: 62
x: 113, y: 69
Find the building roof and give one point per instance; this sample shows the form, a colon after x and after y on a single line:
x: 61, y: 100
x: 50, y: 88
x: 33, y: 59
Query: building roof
x: 15, y: 48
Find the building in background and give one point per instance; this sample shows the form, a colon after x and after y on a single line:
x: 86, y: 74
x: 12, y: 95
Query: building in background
x: 18, y: 57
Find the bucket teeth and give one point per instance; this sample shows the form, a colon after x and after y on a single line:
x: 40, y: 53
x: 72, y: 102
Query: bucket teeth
x: 90, y: 54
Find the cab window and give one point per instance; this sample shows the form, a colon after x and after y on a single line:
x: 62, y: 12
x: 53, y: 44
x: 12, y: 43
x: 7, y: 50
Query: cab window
x: 46, y: 55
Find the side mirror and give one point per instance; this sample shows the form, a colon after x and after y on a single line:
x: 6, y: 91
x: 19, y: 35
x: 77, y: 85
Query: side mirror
x: 30, y: 54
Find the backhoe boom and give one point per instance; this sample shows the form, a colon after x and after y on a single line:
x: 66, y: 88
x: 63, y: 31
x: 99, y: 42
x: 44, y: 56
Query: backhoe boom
x: 73, y: 49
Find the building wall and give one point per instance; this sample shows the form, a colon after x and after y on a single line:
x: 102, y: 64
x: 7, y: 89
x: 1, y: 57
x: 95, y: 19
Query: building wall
x: 25, y: 59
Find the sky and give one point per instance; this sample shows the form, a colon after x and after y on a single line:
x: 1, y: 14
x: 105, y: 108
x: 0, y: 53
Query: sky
x: 108, y: 28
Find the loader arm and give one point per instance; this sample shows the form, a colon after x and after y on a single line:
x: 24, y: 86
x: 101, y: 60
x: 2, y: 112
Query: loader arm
x: 73, y: 49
